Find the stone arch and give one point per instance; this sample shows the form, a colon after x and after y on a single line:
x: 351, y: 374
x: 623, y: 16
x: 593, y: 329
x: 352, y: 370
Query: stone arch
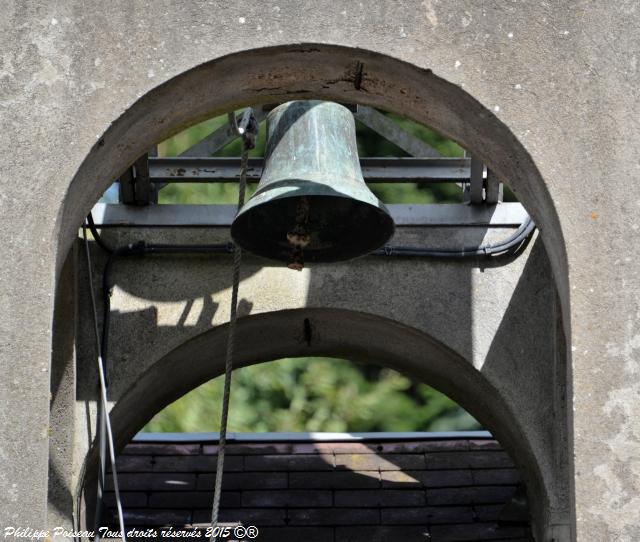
x: 342, y: 74
x: 305, y: 71
x: 341, y: 333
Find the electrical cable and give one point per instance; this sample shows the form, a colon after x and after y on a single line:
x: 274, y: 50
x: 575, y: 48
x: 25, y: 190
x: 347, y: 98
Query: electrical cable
x: 133, y: 249
x: 509, y: 246
x: 104, y: 418
x: 248, y: 130
x: 96, y: 235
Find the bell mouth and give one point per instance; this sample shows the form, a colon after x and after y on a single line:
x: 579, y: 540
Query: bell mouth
x: 338, y: 227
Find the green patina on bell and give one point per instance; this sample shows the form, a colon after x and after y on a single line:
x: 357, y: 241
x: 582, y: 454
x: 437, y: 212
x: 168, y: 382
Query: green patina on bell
x: 312, y: 202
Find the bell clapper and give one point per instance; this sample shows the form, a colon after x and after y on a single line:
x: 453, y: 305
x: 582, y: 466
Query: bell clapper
x: 296, y: 261
x: 299, y: 237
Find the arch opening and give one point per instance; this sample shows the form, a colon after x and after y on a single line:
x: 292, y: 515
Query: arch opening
x: 313, y: 395
x: 336, y: 462
x: 328, y: 72
x: 338, y: 333
x: 314, y: 71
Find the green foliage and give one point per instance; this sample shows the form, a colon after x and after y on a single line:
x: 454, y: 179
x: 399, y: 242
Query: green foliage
x: 315, y: 394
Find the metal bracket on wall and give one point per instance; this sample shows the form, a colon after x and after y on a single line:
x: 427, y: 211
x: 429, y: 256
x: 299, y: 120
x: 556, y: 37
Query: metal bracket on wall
x: 493, y: 189
x: 474, y: 190
x: 483, y: 186
x: 135, y: 186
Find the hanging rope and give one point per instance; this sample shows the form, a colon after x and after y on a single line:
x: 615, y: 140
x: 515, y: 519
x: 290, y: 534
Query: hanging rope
x: 105, y: 422
x: 247, y: 130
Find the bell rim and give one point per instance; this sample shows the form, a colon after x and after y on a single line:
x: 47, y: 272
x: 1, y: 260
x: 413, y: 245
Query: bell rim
x: 386, y: 231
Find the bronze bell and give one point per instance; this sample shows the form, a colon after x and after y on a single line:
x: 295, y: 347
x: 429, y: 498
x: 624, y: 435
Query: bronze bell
x: 312, y: 202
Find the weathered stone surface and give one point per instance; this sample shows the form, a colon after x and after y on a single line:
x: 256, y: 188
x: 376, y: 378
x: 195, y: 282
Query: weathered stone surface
x: 556, y: 114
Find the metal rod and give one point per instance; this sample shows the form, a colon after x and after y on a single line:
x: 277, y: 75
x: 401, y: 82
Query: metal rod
x: 392, y: 131
x: 311, y: 437
x: 374, y: 170
x: 504, y: 215
x: 477, y: 181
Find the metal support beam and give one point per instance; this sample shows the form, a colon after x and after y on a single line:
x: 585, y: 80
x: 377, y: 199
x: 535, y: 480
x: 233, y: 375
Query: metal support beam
x: 391, y: 131
x: 493, y: 189
x: 504, y: 215
x: 474, y: 193
x: 375, y: 170
x: 144, y: 190
x: 126, y: 188
x: 181, y: 438
x: 135, y: 185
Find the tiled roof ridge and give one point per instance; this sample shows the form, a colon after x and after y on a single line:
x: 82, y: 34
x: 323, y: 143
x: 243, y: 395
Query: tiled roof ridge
x: 449, y: 489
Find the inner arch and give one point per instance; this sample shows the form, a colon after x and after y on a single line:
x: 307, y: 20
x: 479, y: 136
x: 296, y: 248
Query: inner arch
x: 336, y: 333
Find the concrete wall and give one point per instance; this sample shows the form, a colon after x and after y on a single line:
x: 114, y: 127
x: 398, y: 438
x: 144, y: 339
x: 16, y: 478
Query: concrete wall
x: 547, y: 95
x: 485, y: 333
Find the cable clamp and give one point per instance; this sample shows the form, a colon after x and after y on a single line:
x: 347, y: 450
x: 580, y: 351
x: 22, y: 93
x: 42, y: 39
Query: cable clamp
x: 247, y: 129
